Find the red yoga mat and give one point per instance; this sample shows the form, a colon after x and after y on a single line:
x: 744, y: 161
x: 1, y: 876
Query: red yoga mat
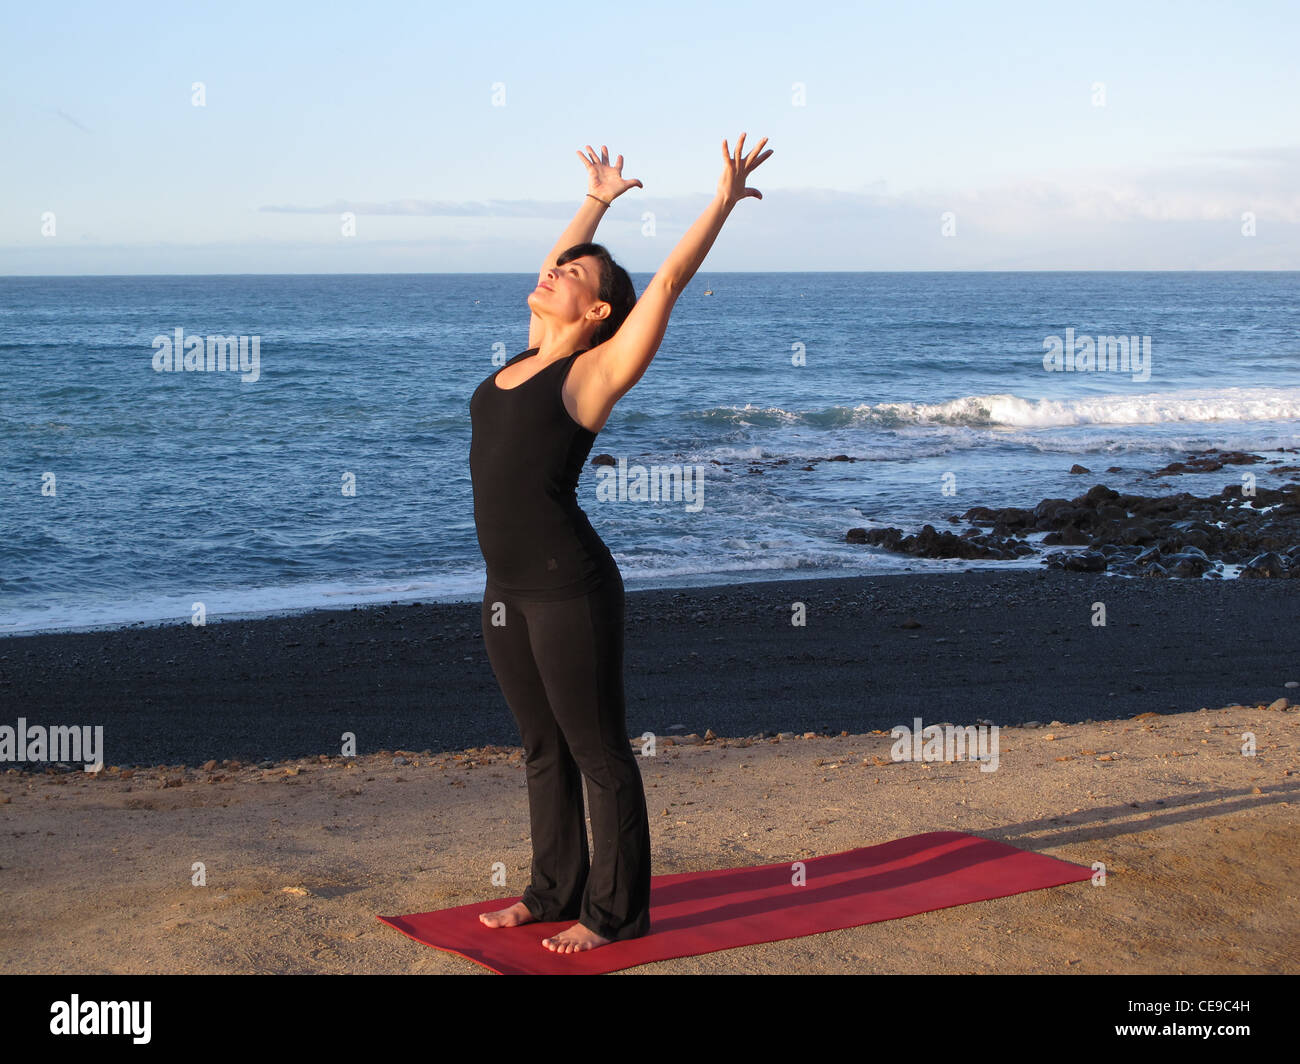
x: 700, y: 912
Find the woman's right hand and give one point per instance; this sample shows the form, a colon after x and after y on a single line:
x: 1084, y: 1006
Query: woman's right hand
x: 731, y: 185
x: 604, y: 181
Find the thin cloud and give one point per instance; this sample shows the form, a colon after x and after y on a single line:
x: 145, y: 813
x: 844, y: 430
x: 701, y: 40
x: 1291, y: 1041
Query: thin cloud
x: 1265, y: 181
x: 436, y: 208
x: 68, y: 118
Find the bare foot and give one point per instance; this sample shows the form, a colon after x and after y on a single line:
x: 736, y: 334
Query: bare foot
x: 517, y: 914
x: 572, y: 939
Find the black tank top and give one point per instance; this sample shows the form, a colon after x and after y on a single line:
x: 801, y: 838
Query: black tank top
x: 525, y: 455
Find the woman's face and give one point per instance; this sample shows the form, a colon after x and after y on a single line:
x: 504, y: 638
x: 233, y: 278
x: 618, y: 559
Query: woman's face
x: 569, y: 291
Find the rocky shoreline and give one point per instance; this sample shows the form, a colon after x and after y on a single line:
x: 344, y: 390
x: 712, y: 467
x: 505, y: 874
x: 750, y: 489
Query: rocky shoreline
x: 1253, y: 529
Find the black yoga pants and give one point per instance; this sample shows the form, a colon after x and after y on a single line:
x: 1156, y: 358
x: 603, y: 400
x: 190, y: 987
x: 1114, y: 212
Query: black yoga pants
x: 560, y: 668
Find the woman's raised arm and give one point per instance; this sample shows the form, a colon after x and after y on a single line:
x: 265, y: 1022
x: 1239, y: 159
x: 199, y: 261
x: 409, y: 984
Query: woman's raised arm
x: 624, y: 357
x: 604, y: 182
x: 690, y: 251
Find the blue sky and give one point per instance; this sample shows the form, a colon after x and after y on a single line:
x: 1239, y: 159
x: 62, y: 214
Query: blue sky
x: 909, y: 111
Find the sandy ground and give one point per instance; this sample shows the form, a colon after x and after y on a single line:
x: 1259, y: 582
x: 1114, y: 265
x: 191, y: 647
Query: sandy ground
x: 1200, y: 846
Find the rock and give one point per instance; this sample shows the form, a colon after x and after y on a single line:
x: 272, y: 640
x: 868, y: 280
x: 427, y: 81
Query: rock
x: 400, y: 761
x: 910, y: 622
x: 1076, y: 468
x: 1279, y: 704
x: 1208, y: 462
x: 1098, y: 494
x: 1046, y: 511
x: 1089, y: 561
x: 1186, y: 565
x: 1136, y: 533
x: 1069, y: 536
x: 931, y: 543
x: 1268, y: 564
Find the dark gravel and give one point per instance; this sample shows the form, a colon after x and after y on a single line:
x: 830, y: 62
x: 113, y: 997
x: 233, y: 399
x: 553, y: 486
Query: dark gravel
x: 1006, y: 645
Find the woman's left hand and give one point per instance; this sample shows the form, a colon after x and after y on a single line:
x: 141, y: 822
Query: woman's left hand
x: 603, y: 180
x: 731, y: 185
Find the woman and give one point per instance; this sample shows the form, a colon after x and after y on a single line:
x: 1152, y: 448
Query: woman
x: 553, y: 604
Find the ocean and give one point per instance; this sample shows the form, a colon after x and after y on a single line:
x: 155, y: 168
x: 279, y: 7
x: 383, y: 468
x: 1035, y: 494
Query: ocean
x: 330, y: 467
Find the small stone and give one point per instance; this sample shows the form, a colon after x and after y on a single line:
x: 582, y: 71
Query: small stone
x: 911, y: 622
x: 1279, y: 705
x: 400, y: 761
x: 208, y: 766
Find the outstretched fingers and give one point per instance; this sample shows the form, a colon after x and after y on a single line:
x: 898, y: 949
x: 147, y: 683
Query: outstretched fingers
x: 738, y: 157
x: 590, y: 157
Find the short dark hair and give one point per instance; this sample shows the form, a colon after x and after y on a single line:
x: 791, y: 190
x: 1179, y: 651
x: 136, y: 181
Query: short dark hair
x: 615, y: 288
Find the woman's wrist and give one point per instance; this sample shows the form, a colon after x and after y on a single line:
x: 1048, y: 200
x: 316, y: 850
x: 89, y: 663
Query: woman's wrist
x: 599, y: 200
